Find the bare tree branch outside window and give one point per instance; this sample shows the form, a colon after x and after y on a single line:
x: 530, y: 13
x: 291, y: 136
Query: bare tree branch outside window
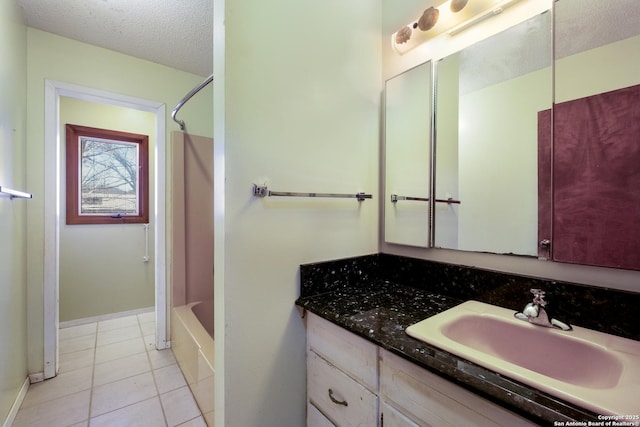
x: 109, y: 177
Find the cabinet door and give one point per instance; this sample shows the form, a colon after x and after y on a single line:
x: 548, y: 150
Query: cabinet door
x: 432, y: 400
x: 339, y: 397
x: 393, y: 418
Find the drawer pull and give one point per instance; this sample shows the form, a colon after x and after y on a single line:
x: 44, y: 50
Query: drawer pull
x: 336, y: 401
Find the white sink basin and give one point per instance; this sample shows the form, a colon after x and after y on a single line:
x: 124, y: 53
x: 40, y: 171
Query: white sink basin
x: 591, y: 369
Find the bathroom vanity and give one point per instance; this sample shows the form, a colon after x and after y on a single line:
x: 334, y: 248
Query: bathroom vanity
x: 363, y: 366
x: 354, y: 382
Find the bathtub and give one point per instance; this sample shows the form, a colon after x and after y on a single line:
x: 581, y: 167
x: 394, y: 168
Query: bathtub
x: 204, y: 312
x: 192, y: 346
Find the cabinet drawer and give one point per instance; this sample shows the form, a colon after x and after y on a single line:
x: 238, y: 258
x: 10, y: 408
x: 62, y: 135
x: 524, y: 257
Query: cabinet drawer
x: 351, y: 353
x: 315, y: 418
x: 431, y: 399
x: 339, y: 397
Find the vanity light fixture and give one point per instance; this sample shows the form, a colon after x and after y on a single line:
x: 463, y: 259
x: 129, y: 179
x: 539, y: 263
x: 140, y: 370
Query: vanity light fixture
x: 450, y: 17
x: 496, y: 10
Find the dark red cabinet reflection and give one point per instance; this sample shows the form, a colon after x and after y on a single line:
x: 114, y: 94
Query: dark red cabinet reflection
x: 593, y: 201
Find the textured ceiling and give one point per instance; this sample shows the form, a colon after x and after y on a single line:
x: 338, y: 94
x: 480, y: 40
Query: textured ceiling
x: 514, y: 52
x: 175, y: 33
x: 587, y: 24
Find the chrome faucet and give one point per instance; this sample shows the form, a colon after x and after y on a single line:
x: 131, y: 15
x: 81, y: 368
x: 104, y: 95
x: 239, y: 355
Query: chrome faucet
x: 535, y: 313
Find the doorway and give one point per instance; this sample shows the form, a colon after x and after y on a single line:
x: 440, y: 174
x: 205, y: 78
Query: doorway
x: 54, y: 90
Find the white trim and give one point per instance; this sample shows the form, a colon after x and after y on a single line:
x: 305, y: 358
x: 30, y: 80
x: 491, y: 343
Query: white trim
x: 37, y: 377
x: 162, y: 302
x: 51, y: 228
x: 95, y: 319
x: 219, y: 213
x: 11, y: 416
x: 53, y: 91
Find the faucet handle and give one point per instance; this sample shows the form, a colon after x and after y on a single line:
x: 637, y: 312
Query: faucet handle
x: 538, y: 297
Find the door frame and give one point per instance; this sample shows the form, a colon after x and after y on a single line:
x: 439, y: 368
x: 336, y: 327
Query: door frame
x: 52, y: 169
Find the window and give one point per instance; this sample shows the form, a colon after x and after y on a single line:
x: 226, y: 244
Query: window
x: 107, y: 176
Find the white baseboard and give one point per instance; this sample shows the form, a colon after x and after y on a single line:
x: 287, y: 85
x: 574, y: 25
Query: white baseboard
x: 78, y: 322
x: 36, y: 378
x: 13, y: 412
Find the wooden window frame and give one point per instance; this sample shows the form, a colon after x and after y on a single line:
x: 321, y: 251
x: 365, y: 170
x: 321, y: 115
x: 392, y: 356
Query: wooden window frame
x: 73, y: 170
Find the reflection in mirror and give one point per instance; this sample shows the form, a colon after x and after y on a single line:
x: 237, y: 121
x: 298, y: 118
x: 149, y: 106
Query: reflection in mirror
x: 487, y: 101
x: 597, y: 47
x: 408, y: 106
x: 596, y: 143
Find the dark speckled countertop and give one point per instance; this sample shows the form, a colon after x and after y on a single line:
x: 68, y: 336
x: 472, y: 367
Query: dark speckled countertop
x: 356, y: 295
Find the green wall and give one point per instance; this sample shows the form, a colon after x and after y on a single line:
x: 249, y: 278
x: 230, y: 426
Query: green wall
x: 64, y: 60
x: 603, y: 69
x: 300, y: 110
x: 498, y: 156
x: 101, y: 266
x: 13, y: 232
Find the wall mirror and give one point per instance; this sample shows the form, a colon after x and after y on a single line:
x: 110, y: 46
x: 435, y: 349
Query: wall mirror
x: 488, y: 97
x: 408, y: 117
x: 505, y: 154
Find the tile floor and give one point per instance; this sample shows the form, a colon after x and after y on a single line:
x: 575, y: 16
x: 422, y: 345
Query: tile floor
x: 110, y: 374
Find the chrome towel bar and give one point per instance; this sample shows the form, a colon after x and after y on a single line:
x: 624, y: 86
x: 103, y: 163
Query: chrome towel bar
x: 263, y: 191
x: 450, y: 200
x: 13, y: 194
x: 395, y: 198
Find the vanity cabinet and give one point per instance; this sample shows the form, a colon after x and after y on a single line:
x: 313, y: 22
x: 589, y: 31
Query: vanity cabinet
x: 425, y: 399
x: 353, y: 382
x: 392, y: 417
x: 316, y: 418
x: 342, y: 376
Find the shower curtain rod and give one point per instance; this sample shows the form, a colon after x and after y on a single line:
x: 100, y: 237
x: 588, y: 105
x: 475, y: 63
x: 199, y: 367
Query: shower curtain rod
x: 188, y: 97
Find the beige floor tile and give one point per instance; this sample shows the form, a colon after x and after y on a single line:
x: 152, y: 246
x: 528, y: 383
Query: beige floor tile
x: 64, y: 411
x: 118, y: 394
x: 120, y: 322
x: 78, y: 331
x: 149, y: 316
x: 147, y: 413
x: 150, y: 342
x: 59, y: 386
x: 118, y: 369
x: 196, y: 422
x: 161, y: 358
x: 76, y: 360
x: 148, y: 328
x: 111, y: 336
x: 125, y: 392
x: 179, y: 406
x: 169, y: 378
x: 74, y: 344
x: 105, y: 353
